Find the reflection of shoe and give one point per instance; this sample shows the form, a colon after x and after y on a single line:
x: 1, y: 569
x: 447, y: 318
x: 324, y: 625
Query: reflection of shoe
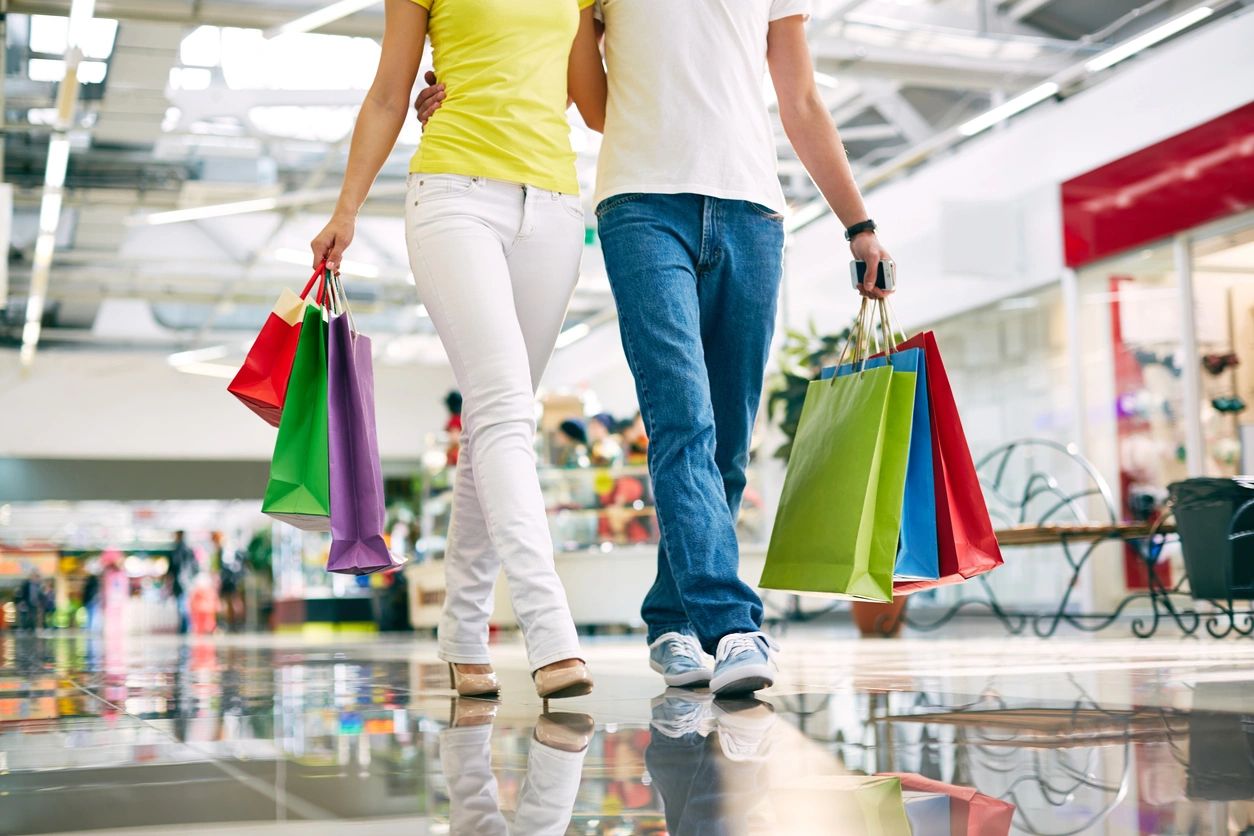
x: 679, y: 712
x: 472, y: 711
x: 473, y: 684
x: 567, y: 681
x: 565, y: 730
x: 744, y: 663
x: 744, y: 728
x: 677, y: 657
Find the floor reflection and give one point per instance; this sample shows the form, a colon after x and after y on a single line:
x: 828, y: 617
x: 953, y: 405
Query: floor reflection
x: 280, y: 733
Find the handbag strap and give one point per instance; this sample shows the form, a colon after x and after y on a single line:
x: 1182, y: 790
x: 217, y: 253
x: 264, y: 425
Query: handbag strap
x: 340, y: 297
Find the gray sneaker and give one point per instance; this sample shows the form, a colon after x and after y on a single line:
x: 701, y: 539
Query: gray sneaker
x: 744, y: 663
x: 678, y: 658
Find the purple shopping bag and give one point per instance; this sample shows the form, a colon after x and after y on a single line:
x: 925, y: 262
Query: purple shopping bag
x: 357, y: 513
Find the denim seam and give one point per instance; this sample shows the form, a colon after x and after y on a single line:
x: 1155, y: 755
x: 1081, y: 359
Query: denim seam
x: 614, y: 202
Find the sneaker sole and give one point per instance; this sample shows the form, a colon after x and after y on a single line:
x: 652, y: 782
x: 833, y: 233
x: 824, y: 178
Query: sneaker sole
x: 681, y: 680
x: 743, y: 681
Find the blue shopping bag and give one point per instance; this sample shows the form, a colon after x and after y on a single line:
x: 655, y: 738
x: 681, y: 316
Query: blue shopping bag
x: 918, y: 557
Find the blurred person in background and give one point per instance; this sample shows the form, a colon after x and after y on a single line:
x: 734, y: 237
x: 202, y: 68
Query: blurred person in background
x: 180, y: 574
x: 48, y: 605
x: 572, y: 447
x: 453, y: 427
x: 30, y: 601
x: 202, y: 605
x: 495, y: 230
x: 231, y: 588
x: 91, y: 600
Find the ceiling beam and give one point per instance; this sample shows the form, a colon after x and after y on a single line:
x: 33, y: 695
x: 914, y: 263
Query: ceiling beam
x: 846, y: 58
x: 1019, y: 9
x: 248, y: 15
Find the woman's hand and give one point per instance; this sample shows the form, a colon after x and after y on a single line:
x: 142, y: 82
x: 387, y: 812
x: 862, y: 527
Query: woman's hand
x: 429, y: 98
x: 866, y: 247
x: 333, y: 240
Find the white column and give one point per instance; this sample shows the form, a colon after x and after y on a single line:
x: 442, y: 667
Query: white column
x: 1190, y: 361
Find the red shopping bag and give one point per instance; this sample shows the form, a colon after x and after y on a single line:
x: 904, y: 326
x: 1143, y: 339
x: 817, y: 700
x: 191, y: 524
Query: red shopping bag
x: 966, y: 544
x: 261, y: 383
x: 970, y: 812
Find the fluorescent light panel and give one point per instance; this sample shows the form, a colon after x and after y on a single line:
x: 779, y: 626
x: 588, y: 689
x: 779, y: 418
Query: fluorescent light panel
x: 287, y: 255
x: 1145, y: 40
x: 321, y: 17
x: 573, y: 334
x: 1009, y: 108
x: 217, y: 210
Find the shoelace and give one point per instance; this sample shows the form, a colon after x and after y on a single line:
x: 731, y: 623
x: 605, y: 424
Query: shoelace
x: 684, y: 648
x: 745, y: 643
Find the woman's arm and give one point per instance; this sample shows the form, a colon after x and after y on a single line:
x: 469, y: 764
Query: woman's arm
x: 814, y: 136
x: 379, y: 123
x: 585, y: 76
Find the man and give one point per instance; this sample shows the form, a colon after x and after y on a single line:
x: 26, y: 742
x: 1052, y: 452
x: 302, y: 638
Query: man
x: 181, y: 573
x: 689, y: 210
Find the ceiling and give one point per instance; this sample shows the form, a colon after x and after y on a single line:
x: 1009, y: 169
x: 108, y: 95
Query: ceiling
x: 193, y: 106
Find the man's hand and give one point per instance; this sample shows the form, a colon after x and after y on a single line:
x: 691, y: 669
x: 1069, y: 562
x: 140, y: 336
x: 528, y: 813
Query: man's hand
x: 429, y: 98
x: 866, y: 247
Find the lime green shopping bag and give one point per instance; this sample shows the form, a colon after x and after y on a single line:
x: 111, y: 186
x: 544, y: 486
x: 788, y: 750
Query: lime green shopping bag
x: 851, y: 805
x: 299, y: 489
x: 839, y: 515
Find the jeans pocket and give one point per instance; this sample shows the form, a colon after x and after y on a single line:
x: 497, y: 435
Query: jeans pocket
x: 765, y: 211
x: 611, y: 203
x: 431, y: 187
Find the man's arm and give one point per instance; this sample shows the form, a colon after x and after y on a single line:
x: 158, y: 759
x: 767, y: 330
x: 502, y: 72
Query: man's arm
x: 814, y: 136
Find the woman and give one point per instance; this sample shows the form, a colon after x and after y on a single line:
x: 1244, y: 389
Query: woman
x: 495, y: 232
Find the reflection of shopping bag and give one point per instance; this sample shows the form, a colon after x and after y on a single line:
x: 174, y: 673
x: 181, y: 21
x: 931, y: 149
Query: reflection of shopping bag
x: 970, y: 813
x: 261, y: 383
x: 917, y: 557
x: 357, y: 514
x: 966, y: 543
x: 839, y: 514
x: 845, y: 804
x: 299, y: 492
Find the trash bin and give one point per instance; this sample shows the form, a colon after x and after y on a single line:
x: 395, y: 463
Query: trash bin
x: 1215, y: 518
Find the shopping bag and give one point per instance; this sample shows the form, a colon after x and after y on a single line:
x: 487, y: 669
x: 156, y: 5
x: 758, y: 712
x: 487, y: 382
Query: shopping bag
x: 357, y: 510
x: 851, y: 805
x: 299, y: 491
x: 966, y: 544
x: 917, y: 556
x: 839, y: 517
x: 261, y: 382
x: 970, y: 812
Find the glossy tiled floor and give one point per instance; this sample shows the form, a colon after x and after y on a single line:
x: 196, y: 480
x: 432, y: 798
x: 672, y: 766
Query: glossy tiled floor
x: 264, y: 734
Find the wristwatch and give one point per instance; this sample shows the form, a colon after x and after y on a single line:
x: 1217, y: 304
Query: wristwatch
x: 859, y: 228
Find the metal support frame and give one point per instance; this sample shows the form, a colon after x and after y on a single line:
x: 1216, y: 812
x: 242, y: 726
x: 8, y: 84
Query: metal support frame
x: 1190, y: 359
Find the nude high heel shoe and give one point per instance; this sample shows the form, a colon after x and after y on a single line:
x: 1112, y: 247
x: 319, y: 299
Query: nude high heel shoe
x: 473, y: 684
x: 567, y: 681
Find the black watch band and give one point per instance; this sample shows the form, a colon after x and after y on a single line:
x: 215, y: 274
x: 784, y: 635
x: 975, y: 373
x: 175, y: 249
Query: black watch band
x: 859, y: 228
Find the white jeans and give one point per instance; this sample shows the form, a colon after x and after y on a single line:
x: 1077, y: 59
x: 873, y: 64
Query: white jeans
x: 496, y: 263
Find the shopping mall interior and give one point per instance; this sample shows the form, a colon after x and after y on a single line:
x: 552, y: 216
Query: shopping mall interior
x: 1067, y: 191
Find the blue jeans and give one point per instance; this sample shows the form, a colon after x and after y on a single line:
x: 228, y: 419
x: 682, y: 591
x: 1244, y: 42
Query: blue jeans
x: 696, y: 280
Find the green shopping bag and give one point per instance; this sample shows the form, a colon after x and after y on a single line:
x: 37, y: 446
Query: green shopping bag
x: 839, y: 516
x: 299, y: 491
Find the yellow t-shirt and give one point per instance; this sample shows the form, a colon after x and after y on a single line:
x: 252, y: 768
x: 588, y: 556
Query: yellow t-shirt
x: 503, y: 64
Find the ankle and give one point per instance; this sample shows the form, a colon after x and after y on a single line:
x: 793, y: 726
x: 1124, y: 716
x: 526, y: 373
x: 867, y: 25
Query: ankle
x: 472, y: 669
x: 564, y: 663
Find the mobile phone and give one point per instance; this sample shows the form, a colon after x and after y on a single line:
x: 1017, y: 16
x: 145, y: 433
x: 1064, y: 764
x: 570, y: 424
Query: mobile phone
x: 885, y: 279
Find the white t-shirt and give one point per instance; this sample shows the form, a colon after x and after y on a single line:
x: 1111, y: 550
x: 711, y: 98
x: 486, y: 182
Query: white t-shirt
x: 687, y: 112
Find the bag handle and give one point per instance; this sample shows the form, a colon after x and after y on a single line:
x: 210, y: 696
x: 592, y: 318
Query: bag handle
x: 894, y: 327
x: 856, y: 335
x: 341, y: 300
x: 304, y: 294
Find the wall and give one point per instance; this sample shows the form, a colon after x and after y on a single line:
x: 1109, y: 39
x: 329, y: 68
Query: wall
x: 985, y: 222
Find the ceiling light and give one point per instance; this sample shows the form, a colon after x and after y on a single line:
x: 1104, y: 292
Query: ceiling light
x: 217, y: 210
x: 50, y: 210
x: 209, y: 370
x: 826, y: 80
x: 81, y: 12
x: 321, y: 17
x: 1005, y: 110
x: 1145, y: 40
x: 57, y: 162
